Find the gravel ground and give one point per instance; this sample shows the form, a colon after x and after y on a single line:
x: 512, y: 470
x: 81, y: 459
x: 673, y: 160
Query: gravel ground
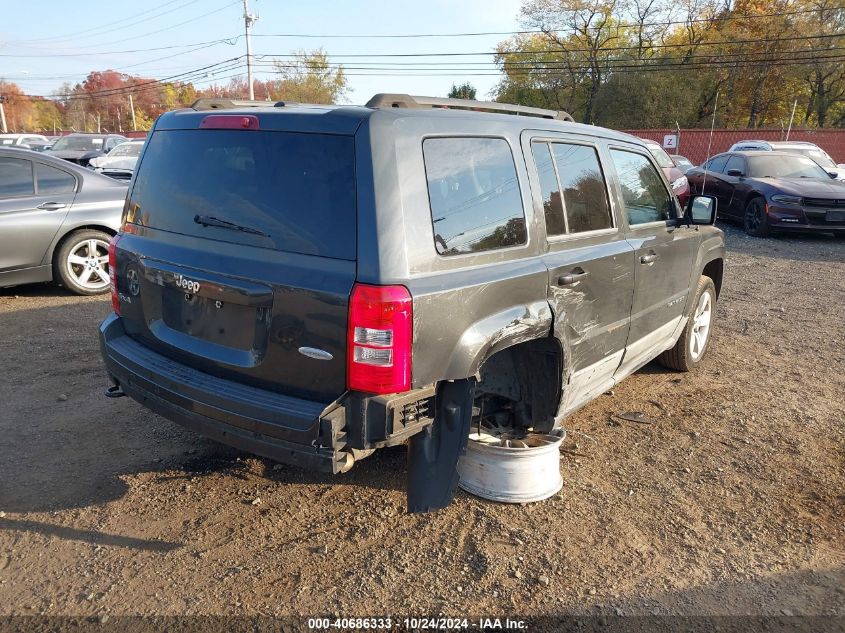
x: 731, y: 501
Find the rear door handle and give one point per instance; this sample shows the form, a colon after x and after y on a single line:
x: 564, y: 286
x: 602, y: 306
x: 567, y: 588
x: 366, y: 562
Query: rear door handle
x: 52, y: 206
x: 649, y: 259
x: 571, y: 278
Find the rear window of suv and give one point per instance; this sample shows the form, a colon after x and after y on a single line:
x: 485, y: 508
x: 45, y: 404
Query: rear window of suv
x: 289, y: 191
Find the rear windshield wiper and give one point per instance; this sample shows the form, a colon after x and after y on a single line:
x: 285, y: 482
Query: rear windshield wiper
x: 210, y: 220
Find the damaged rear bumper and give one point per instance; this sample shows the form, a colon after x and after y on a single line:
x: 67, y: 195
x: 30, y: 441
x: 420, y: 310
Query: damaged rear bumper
x: 282, y: 428
x: 314, y: 435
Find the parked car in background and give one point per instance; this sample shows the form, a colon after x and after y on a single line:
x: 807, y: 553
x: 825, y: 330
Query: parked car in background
x: 36, y: 142
x: 315, y: 283
x: 773, y: 190
x: 56, y: 220
x: 794, y: 147
x: 80, y: 148
x: 120, y: 162
x: 681, y: 162
x: 675, y: 176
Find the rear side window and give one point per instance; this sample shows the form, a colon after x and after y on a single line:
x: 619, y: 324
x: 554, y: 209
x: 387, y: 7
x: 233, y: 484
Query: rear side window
x: 584, y: 190
x: 15, y: 178
x: 552, y: 204
x: 717, y: 164
x: 645, y: 197
x: 52, y: 180
x: 573, y: 170
x: 289, y: 191
x: 474, y: 195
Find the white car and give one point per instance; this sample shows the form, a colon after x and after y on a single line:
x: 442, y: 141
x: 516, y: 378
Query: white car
x: 37, y: 142
x: 120, y: 162
x: 805, y: 148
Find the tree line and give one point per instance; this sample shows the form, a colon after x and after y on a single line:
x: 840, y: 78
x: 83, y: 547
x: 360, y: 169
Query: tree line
x: 658, y: 63
x: 110, y: 101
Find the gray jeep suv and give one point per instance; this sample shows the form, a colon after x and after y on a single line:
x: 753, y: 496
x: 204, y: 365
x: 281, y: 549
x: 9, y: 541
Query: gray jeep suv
x: 311, y: 283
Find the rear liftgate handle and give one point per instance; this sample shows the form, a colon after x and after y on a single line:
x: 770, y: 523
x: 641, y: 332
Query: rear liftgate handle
x: 433, y: 453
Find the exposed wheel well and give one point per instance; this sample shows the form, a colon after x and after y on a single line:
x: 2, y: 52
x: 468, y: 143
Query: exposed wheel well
x: 76, y: 229
x: 521, y: 385
x: 714, y: 270
x: 751, y: 196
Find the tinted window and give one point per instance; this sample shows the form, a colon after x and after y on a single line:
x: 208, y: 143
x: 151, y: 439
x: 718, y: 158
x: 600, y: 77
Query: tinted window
x: 15, y: 178
x: 645, y: 197
x: 86, y: 143
x: 584, y: 191
x: 474, y: 194
x: 297, y: 189
x: 52, y: 180
x: 781, y: 166
x: 552, y: 207
x: 735, y: 162
x: 717, y: 164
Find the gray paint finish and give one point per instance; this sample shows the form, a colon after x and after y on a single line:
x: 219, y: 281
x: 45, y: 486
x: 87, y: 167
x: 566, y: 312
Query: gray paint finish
x: 29, y: 235
x: 466, y: 307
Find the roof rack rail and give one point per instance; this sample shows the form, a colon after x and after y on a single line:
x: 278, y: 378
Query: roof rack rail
x: 227, y: 104
x: 386, y: 100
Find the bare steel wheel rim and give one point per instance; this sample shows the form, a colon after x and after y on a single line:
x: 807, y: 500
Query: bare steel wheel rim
x: 88, y: 264
x: 701, y: 325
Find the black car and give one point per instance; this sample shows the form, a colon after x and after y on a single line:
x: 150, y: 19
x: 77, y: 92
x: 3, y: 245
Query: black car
x: 81, y: 148
x: 770, y: 191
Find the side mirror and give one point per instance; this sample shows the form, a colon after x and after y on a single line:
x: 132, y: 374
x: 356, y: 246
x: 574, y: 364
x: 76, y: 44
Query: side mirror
x: 736, y: 173
x: 701, y: 210
x: 833, y: 174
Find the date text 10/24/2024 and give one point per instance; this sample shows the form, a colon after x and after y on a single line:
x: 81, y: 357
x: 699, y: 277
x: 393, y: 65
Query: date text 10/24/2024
x: 418, y: 623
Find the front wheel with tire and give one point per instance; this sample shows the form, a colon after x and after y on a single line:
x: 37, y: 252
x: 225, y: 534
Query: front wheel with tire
x: 695, y: 339
x: 81, y: 264
x: 756, y: 220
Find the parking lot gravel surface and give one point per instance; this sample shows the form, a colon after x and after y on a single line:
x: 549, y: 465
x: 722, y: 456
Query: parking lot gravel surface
x: 727, y: 499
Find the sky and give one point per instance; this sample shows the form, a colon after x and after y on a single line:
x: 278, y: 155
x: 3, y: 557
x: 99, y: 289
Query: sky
x: 44, y: 43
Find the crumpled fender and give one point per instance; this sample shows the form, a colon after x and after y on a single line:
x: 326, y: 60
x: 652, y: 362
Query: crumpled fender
x: 496, y: 332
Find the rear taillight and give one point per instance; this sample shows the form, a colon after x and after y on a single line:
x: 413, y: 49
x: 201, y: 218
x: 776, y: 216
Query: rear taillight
x: 115, y: 300
x: 379, y: 339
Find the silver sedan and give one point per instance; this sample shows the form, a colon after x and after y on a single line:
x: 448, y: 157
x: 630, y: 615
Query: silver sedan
x: 56, y: 221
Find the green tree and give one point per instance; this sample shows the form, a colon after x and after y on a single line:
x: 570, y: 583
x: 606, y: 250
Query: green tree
x: 465, y: 91
x: 309, y: 78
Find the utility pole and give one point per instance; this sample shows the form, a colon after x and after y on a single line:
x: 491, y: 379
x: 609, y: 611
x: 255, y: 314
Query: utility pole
x: 791, y: 116
x: 132, y: 109
x: 3, y: 99
x: 249, y: 20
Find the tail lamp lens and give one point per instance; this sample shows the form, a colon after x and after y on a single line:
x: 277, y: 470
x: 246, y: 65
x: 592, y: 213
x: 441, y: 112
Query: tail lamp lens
x: 115, y: 300
x: 379, y: 340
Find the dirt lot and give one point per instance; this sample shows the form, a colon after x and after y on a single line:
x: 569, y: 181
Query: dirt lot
x: 730, y: 501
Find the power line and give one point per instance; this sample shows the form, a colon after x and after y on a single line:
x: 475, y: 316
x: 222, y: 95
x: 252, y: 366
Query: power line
x: 571, y: 50
x: 560, y: 63
x: 183, y: 77
x: 667, y: 23
x: 71, y: 36
x: 228, y: 40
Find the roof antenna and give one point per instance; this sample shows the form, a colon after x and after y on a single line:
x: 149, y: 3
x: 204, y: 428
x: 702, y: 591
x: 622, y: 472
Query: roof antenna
x: 709, y: 144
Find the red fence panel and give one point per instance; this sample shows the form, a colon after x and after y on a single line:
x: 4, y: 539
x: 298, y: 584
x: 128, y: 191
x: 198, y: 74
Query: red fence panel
x: 694, y: 143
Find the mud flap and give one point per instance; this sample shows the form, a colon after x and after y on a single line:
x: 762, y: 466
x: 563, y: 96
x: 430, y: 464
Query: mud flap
x: 433, y: 453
